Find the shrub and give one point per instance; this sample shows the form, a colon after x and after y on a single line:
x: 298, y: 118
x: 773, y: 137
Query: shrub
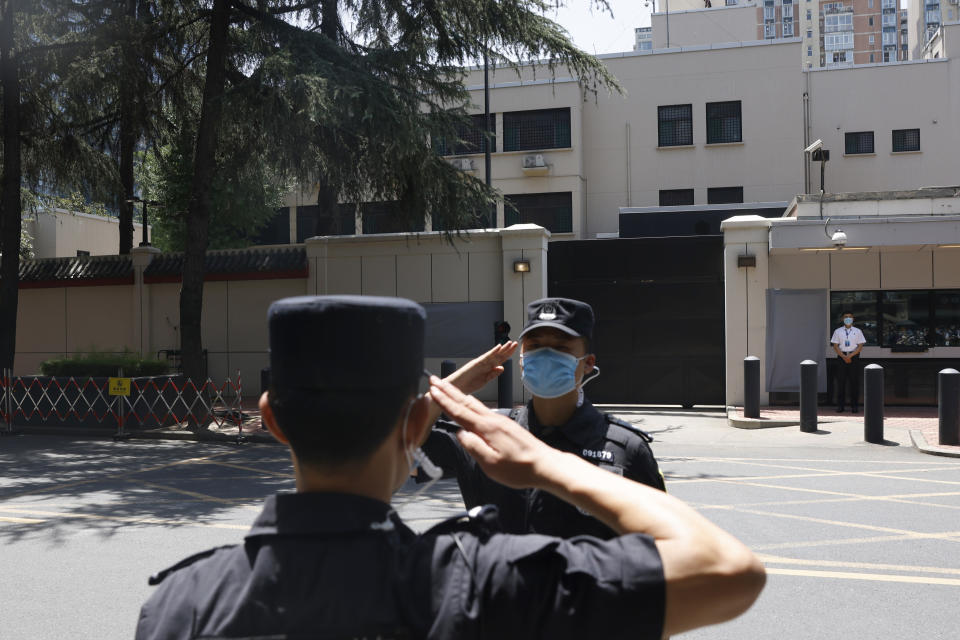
x: 104, y: 364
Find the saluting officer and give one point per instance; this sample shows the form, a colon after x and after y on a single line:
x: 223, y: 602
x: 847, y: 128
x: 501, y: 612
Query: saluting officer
x: 557, y: 360
x: 334, y: 561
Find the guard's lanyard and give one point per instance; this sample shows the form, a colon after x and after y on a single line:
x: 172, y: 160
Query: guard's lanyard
x: 848, y: 332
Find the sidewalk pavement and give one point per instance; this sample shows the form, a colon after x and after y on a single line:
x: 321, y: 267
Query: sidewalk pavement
x: 922, y: 423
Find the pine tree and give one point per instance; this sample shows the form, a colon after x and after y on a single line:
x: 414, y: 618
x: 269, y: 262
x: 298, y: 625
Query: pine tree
x: 355, y: 109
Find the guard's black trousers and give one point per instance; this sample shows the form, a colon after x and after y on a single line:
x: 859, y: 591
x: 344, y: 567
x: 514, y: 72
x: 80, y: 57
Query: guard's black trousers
x: 847, y: 382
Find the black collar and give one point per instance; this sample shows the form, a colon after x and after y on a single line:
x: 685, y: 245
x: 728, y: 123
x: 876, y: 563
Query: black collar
x: 583, y: 428
x: 323, y: 513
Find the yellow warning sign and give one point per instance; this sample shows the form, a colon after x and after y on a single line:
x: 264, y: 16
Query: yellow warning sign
x: 119, y: 386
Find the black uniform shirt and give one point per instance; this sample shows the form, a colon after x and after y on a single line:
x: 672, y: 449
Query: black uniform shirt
x: 592, y: 435
x: 340, y: 567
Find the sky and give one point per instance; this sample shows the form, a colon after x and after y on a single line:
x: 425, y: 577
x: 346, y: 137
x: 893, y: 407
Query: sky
x: 596, y: 32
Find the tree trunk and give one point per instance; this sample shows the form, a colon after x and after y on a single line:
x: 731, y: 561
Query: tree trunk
x: 127, y: 146
x: 198, y: 210
x: 128, y: 141
x: 9, y: 188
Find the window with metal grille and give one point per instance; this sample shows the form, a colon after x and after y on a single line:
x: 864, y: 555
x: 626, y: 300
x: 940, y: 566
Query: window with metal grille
x: 384, y: 217
x: 675, y: 125
x: 858, y: 142
x: 552, y: 211
x: 788, y: 27
x: 470, y: 138
x: 311, y: 221
x: 676, y: 197
x: 723, y: 122
x: 543, y: 129
x: 724, y: 195
x: 906, y: 140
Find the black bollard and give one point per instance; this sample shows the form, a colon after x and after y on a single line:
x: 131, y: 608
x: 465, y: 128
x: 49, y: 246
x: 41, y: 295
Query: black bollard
x: 751, y: 387
x: 873, y: 403
x: 447, y: 367
x: 948, y: 401
x: 808, y: 396
x: 505, y: 386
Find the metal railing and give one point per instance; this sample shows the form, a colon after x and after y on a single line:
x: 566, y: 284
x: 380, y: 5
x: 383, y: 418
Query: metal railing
x: 153, y: 402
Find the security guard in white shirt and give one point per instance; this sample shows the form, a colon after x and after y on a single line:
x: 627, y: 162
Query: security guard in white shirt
x: 847, y: 341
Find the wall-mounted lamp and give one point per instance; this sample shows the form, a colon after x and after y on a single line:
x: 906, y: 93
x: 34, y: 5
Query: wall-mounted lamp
x: 521, y: 266
x: 746, y: 261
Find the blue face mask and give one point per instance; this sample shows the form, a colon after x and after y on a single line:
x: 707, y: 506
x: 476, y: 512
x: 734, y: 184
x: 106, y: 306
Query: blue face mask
x: 548, y: 373
x: 848, y: 321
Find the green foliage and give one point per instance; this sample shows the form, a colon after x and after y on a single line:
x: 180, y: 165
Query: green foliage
x: 244, y: 195
x: 104, y: 364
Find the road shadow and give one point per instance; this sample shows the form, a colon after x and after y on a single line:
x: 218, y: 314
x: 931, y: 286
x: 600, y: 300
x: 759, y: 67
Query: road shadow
x: 51, y: 484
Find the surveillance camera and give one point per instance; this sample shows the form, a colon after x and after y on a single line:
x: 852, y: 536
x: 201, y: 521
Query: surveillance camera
x: 839, y: 238
x: 818, y: 144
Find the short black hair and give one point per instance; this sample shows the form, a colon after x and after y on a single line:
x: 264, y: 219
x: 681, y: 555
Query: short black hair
x: 329, y: 427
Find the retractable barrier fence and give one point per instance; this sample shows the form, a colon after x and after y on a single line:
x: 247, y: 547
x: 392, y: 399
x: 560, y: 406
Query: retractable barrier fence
x: 127, y: 403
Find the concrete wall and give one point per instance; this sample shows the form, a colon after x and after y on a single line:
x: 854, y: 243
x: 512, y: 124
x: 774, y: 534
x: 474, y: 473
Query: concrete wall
x: 701, y: 26
x: 882, y: 98
x: 60, y: 234
x: 763, y: 76
x: 145, y: 317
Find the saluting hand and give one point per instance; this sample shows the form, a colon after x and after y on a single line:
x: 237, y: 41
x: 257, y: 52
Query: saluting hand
x: 506, y: 452
x: 471, y: 377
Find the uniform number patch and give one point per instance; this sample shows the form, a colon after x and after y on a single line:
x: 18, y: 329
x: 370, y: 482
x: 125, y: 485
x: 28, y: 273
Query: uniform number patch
x: 603, y: 456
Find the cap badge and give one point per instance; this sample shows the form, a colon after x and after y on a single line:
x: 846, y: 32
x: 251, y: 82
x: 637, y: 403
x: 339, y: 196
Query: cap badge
x: 549, y: 312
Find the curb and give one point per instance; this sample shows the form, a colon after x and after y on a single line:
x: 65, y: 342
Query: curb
x: 736, y: 421
x: 921, y: 444
x: 206, y: 436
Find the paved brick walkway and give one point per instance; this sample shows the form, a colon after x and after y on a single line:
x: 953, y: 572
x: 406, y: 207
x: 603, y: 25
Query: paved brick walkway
x: 923, y: 419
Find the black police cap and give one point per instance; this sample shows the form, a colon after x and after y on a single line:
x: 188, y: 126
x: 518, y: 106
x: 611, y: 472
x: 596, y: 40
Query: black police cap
x: 573, y: 317
x: 345, y: 342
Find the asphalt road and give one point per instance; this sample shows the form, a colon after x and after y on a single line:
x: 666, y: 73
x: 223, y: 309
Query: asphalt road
x: 860, y: 540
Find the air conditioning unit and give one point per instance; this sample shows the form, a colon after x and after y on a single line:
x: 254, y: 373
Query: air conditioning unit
x: 464, y: 164
x: 534, y: 161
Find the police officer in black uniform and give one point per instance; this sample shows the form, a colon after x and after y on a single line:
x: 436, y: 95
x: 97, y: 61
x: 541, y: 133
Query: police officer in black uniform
x: 334, y: 561
x: 556, y: 358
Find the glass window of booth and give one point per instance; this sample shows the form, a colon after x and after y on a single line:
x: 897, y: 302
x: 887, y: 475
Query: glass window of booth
x: 906, y: 320
x: 863, y: 306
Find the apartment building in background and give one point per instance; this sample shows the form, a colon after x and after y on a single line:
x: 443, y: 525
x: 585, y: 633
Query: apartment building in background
x: 644, y: 39
x: 925, y: 18
x: 838, y: 32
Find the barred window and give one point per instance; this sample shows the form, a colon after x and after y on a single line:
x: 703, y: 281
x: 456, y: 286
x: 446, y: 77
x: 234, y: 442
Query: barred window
x: 906, y: 140
x: 858, y: 142
x: 675, y: 125
x: 553, y: 211
x: 723, y: 122
x: 470, y: 138
x: 543, y: 129
x: 724, y: 195
x: 384, y: 217
x: 676, y: 197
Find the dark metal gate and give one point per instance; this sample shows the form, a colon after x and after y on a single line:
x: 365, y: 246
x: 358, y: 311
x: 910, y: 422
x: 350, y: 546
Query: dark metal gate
x: 659, y: 305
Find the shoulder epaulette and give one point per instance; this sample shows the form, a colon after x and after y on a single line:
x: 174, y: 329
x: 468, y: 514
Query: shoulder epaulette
x: 159, y: 577
x: 484, y: 520
x: 611, y: 419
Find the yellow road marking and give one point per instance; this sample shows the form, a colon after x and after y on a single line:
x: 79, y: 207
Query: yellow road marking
x: 193, y: 494
x: 21, y: 520
x: 255, y: 470
x: 128, y: 519
x: 874, y: 577
x: 64, y: 485
x: 949, y: 536
x: 818, y: 460
x: 855, y: 565
x: 819, y: 473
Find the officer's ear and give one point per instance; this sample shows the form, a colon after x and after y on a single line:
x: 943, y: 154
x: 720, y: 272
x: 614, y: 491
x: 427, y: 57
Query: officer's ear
x: 418, y: 426
x: 270, y: 420
x: 589, y: 361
